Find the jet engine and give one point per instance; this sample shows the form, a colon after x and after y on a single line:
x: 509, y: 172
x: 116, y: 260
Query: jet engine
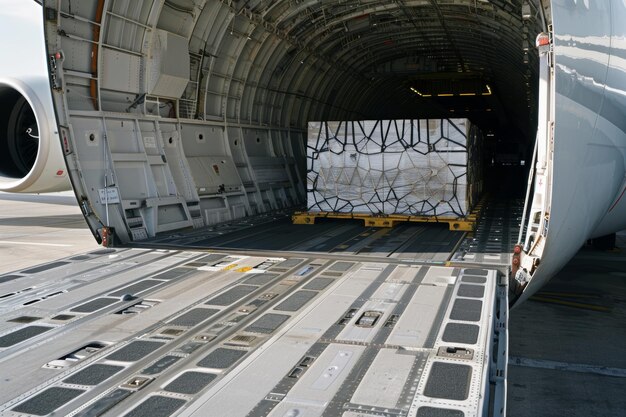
x: 30, y: 152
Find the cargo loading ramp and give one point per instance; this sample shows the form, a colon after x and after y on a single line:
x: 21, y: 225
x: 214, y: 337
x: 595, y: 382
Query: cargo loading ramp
x: 156, y: 332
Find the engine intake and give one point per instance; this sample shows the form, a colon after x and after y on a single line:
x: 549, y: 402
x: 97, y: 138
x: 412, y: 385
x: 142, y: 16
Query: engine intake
x: 31, y: 159
x: 19, y: 135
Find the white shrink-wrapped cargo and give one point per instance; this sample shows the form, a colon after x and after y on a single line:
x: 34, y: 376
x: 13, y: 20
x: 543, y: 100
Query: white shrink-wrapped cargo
x: 410, y: 167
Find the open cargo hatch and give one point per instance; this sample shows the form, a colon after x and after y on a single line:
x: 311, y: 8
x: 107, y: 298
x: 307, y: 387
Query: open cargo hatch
x: 174, y: 119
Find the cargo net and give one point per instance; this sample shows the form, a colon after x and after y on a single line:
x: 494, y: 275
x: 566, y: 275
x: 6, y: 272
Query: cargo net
x: 407, y: 167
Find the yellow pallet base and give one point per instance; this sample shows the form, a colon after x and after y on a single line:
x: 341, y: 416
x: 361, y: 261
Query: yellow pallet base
x: 465, y: 224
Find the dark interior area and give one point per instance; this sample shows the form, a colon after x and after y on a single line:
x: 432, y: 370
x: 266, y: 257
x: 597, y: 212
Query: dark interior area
x: 473, y: 60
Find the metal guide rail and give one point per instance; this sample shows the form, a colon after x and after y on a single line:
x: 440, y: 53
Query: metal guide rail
x: 161, y: 333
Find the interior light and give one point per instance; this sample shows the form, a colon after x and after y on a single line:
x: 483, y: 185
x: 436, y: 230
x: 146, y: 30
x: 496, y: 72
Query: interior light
x: 418, y: 93
x: 467, y: 94
x: 445, y: 95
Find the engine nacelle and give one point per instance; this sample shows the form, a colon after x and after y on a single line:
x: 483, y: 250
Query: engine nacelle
x: 31, y: 160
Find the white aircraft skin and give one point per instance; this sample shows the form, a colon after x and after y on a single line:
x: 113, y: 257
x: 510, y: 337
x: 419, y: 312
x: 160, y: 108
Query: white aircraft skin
x: 589, y: 143
x: 584, y: 180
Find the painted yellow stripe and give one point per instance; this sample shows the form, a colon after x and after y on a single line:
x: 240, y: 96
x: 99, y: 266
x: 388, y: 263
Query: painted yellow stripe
x: 244, y: 269
x: 567, y: 294
x: 229, y: 267
x: 571, y: 304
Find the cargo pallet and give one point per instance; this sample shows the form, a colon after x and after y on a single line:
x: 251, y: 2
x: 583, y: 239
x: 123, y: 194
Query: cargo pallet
x: 461, y: 224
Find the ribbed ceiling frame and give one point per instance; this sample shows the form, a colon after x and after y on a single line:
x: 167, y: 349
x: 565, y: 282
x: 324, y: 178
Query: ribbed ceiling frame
x: 487, y: 36
x: 283, y: 63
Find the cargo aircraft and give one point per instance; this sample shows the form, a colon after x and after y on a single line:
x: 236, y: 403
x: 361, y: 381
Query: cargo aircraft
x: 172, y: 118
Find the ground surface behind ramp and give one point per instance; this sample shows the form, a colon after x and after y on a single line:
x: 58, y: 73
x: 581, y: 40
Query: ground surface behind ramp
x: 38, y: 228
x: 568, y: 343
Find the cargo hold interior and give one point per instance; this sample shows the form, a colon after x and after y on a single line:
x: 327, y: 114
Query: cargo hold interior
x: 201, y: 108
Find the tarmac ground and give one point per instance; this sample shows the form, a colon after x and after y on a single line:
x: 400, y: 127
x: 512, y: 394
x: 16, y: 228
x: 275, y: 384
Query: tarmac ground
x: 567, y: 344
x: 38, y: 228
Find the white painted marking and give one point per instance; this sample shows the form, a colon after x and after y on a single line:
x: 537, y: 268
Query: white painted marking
x: 566, y: 366
x: 10, y: 242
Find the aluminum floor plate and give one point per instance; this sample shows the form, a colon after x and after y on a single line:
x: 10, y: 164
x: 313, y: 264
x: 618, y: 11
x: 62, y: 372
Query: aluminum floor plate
x: 210, y: 334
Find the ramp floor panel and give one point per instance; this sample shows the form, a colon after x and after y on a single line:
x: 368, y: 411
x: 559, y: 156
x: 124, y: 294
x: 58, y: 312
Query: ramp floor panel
x: 317, y: 335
